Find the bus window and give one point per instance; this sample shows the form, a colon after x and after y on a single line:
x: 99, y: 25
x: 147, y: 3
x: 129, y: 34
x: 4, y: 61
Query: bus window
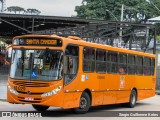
x: 139, y: 65
x: 131, y: 64
x: 112, y: 62
x: 122, y: 68
x: 71, y: 63
x: 100, y: 61
x: 152, y: 66
x: 88, y: 59
x: 147, y: 66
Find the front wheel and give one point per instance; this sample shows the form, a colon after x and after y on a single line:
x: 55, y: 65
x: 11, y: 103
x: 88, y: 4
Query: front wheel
x: 84, y: 104
x: 40, y: 107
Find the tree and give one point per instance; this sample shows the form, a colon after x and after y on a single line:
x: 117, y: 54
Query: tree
x: 15, y: 9
x: 6, y: 40
x: 92, y: 9
x: 33, y: 11
x: 154, y: 7
x: 134, y: 10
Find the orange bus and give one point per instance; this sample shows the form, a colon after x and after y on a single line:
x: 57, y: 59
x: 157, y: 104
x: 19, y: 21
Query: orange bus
x: 68, y: 72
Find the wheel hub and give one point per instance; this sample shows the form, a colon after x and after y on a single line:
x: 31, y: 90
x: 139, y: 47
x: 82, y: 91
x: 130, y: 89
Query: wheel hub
x: 83, y: 103
x: 133, y: 99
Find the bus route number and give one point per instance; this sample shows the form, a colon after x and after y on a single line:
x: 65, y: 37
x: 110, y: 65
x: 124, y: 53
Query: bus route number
x: 19, y: 88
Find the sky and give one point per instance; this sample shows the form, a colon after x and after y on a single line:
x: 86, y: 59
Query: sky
x: 48, y: 7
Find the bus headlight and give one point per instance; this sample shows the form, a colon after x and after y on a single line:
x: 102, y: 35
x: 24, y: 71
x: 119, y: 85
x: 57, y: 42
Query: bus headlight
x: 53, y: 92
x: 12, y: 90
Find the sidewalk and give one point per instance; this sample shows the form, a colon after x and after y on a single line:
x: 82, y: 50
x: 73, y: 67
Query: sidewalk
x: 3, y: 91
x: 3, y: 87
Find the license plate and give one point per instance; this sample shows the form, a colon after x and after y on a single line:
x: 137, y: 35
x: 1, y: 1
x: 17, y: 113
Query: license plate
x: 29, y: 99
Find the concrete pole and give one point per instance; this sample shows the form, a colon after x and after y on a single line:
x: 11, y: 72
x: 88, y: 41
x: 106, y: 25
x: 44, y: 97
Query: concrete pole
x: 32, y: 24
x: 120, y: 33
x: 122, y: 9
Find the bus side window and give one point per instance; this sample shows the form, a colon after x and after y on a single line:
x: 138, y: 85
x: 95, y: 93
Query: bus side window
x: 139, y: 65
x: 147, y: 66
x: 131, y: 64
x: 71, y: 60
x: 122, y: 63
x: 112, y: 59
x: 152, y: 66
x: 88, y: 59
x: 100, y: 61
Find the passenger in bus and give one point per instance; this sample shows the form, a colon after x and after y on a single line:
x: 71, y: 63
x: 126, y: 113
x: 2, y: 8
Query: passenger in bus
x: 121, y: 70
x: 146, y: 72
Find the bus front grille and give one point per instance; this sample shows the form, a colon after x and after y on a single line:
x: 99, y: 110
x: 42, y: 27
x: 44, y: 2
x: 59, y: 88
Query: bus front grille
x: 31, y: 84
x: 32, y: 93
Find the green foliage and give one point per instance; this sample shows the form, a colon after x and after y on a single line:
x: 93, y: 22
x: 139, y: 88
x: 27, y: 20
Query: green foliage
x: 6, y: 40
x: 92, y: 10
x: 158, y: 38
x: 33, y: 11
x: 16, y: 9
x: 134, y: 10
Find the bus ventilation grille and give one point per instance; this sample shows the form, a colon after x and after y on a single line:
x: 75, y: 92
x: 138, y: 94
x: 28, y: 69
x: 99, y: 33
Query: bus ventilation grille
x: 31, y: 84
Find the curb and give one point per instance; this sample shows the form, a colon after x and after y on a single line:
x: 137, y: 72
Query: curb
x: 158, y: 93
x: 2, y: 100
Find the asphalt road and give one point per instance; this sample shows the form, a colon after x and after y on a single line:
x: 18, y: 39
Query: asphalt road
x: 149, y: 106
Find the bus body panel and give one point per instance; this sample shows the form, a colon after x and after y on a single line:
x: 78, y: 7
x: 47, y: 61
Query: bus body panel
x: 35, y: 93
x: 142, y: 94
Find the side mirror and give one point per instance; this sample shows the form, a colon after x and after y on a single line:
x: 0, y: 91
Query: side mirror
x: 8, y: 55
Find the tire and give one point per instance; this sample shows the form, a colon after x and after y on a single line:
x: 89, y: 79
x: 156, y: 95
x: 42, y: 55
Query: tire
x: 84, y: 104
x: 40, y: 107
x: 132, y: 99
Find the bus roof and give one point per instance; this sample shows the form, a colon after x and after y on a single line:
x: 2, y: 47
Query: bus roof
x: 78, y: 41
x: 108, y: 47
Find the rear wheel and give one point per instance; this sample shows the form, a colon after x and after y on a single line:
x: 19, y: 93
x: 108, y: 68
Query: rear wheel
x: 133, y: 99
x: 40, y: 107
x: 84, y: 104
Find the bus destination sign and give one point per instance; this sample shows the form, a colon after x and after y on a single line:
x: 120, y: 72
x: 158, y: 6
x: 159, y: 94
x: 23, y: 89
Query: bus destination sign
x: 38, y: 41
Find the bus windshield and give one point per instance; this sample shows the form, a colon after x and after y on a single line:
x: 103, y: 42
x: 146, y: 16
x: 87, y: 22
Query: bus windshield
x: 36, y: 64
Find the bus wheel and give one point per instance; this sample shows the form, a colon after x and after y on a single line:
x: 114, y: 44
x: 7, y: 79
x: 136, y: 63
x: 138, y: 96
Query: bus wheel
x: 84, y: 104
x: 40, y: 107
x: 133, y: 99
